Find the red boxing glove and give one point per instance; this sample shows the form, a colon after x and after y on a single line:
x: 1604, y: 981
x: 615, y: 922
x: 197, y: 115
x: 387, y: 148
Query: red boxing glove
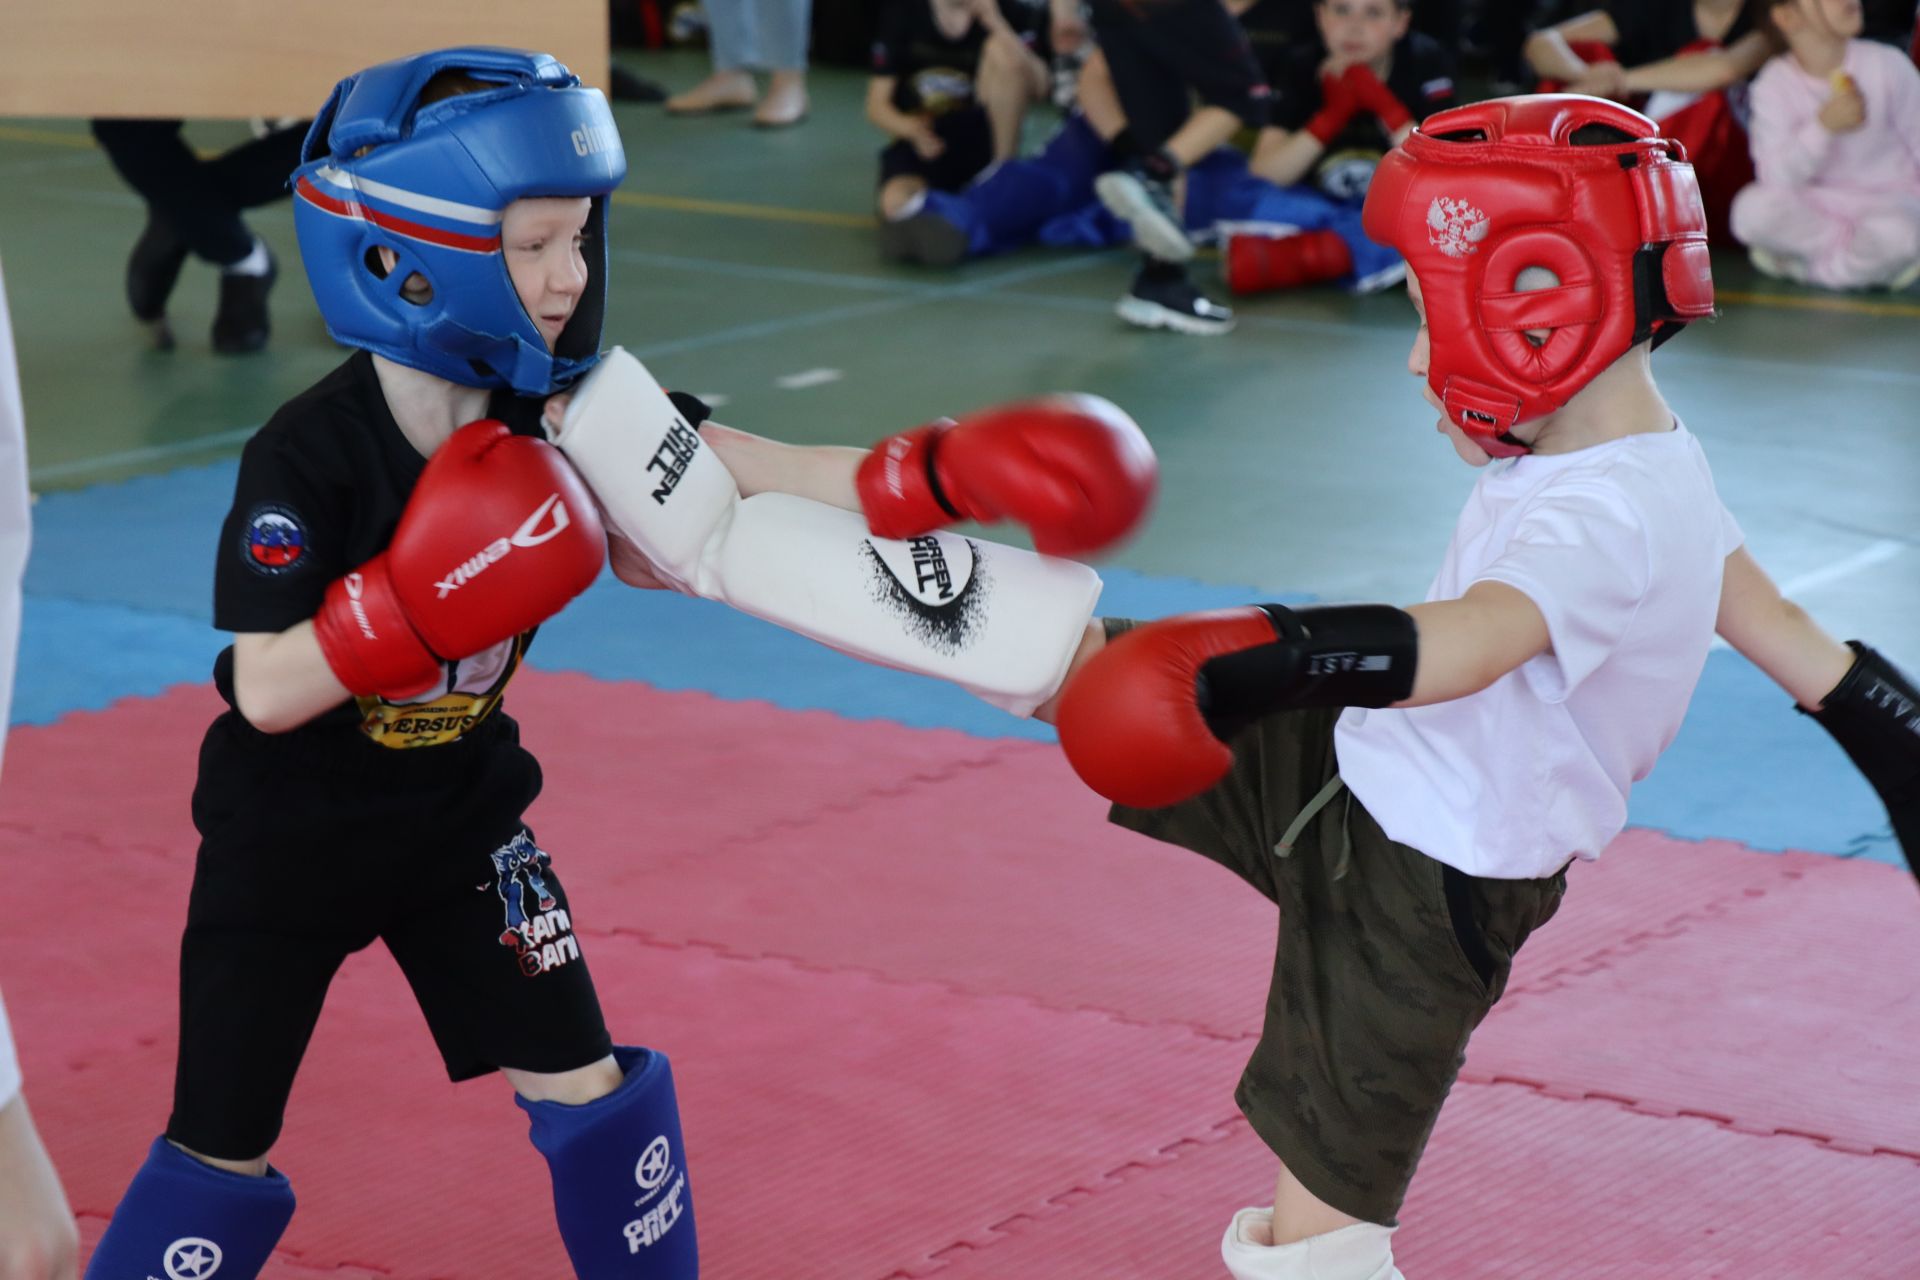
x: 497, y: 537
x: 1130, y: 720
x: 1376, y: 97
x: 1074, y: 469
x: 1338, y: 102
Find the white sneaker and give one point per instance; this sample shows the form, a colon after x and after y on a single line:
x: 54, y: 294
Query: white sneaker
x: 1147, y: 206
x: 1360, y: 1252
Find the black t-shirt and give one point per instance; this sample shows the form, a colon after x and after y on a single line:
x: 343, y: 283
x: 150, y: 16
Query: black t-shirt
x: 1421, y: 76
x: 321, y: 487
x: 1651, y: 30
x: 1277, y: 28
x: 933, y: 72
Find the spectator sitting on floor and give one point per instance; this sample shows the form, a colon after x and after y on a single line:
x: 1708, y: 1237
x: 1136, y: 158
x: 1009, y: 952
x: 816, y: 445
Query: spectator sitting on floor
x: 1836, y: 143
x: 952, y: 81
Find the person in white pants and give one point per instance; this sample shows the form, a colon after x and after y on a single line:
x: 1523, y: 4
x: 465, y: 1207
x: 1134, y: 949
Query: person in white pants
x: 38, y: 1240
x: 748, y: 36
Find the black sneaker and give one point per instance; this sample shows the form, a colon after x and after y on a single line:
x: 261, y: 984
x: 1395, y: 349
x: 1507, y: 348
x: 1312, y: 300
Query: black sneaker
x: 240, y: 326
x: 925, y: 238
x: 628, y: 87
x: 1145, y: 203
x: 1163, y: 297
x: 152, y: 270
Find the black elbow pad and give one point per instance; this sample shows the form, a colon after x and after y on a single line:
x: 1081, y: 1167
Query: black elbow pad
x: 1349, y: 655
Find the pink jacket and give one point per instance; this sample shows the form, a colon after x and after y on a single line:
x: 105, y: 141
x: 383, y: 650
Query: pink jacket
x: 1792, y: 148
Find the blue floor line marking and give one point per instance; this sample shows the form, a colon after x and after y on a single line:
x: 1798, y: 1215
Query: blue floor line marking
x: 119, y: 600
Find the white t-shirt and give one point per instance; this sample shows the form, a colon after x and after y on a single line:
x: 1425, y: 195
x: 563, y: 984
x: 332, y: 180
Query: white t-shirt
x: 1621, y: 547
x: 13, y: 563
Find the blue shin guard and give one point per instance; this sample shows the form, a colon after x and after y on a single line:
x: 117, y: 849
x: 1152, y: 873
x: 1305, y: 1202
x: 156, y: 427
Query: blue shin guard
x: 620, y: 1176
x: 187, y: 1220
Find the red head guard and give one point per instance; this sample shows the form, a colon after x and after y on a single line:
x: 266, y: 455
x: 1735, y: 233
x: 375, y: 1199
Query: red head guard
x: 1476, y: 195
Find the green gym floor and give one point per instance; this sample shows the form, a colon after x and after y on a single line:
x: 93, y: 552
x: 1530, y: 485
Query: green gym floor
x: 1297, y: 458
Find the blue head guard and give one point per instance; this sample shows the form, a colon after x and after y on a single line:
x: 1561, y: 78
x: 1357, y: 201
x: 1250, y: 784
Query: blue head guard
x: 432, y: 183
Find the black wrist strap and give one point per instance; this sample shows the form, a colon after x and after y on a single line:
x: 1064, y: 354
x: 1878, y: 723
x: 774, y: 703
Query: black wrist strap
x: 1354, y: 655
x: 933, y: 472
x: 1874, y: 714
x: 691, y: 407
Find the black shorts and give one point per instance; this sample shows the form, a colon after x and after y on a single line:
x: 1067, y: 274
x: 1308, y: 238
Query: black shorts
x: 969, y: 138
x: 1163, y: 52
x: 301, y: 865
x: 1386, y: 962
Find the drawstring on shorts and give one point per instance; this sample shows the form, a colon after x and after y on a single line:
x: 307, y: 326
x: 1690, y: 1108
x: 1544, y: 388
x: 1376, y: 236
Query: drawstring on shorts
x: 1322, y: 798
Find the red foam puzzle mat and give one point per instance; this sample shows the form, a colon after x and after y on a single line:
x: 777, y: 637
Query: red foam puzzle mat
x: 1516, y: 1186
x: 1794, y: 1008
x: 931, y: 1016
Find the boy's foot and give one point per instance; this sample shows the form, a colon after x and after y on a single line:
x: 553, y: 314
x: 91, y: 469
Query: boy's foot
x: 785, y: 103
x: 152, y: 270
x: 240, y: 326
x: 924, y: 237
x: 721, y: 91
x: 1163, y: 297
x: 1145, y: 203
x: 1781, y: 266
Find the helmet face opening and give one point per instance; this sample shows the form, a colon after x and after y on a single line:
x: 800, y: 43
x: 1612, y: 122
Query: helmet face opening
x: 431, y: 184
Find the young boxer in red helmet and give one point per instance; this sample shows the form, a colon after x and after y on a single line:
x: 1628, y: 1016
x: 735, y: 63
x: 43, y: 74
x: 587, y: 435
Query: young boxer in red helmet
x: 1409, y: 785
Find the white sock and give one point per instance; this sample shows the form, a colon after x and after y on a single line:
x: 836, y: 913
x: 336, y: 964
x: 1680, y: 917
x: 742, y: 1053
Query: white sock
x: 256, y: 263
x: 1363, y: 1251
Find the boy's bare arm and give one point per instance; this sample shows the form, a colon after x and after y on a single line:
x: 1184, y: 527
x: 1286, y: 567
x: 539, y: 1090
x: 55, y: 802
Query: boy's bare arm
x: 1549, y: 52
x: 1777, y: 635
x: 1467, y: 644
x: 822, y: 472
x: 281, y: 679
x: 1284, y: 158
x: 1702, y: 72
x: 888, y: 118
x: 1464, y: 645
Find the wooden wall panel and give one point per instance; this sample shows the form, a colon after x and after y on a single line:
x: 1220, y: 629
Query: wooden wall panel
x: 241, y: 58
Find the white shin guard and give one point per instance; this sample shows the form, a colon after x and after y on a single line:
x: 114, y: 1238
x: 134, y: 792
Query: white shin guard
x: 1360, y: 1252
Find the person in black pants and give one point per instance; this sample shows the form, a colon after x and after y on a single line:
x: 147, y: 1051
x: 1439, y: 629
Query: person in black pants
x: 1161, y: 53
x: 193, y: 206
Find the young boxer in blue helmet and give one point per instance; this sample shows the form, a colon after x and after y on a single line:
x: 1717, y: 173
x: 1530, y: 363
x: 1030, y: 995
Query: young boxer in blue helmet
x: 384, y: 568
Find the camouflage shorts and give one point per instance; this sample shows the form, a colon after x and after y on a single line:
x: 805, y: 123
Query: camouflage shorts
x: 1387, y: 960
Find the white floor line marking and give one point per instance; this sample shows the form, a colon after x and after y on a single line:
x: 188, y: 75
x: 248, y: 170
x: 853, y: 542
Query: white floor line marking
x: 808, y: 378
x: 1878, y: 553
x: 136, y: 457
